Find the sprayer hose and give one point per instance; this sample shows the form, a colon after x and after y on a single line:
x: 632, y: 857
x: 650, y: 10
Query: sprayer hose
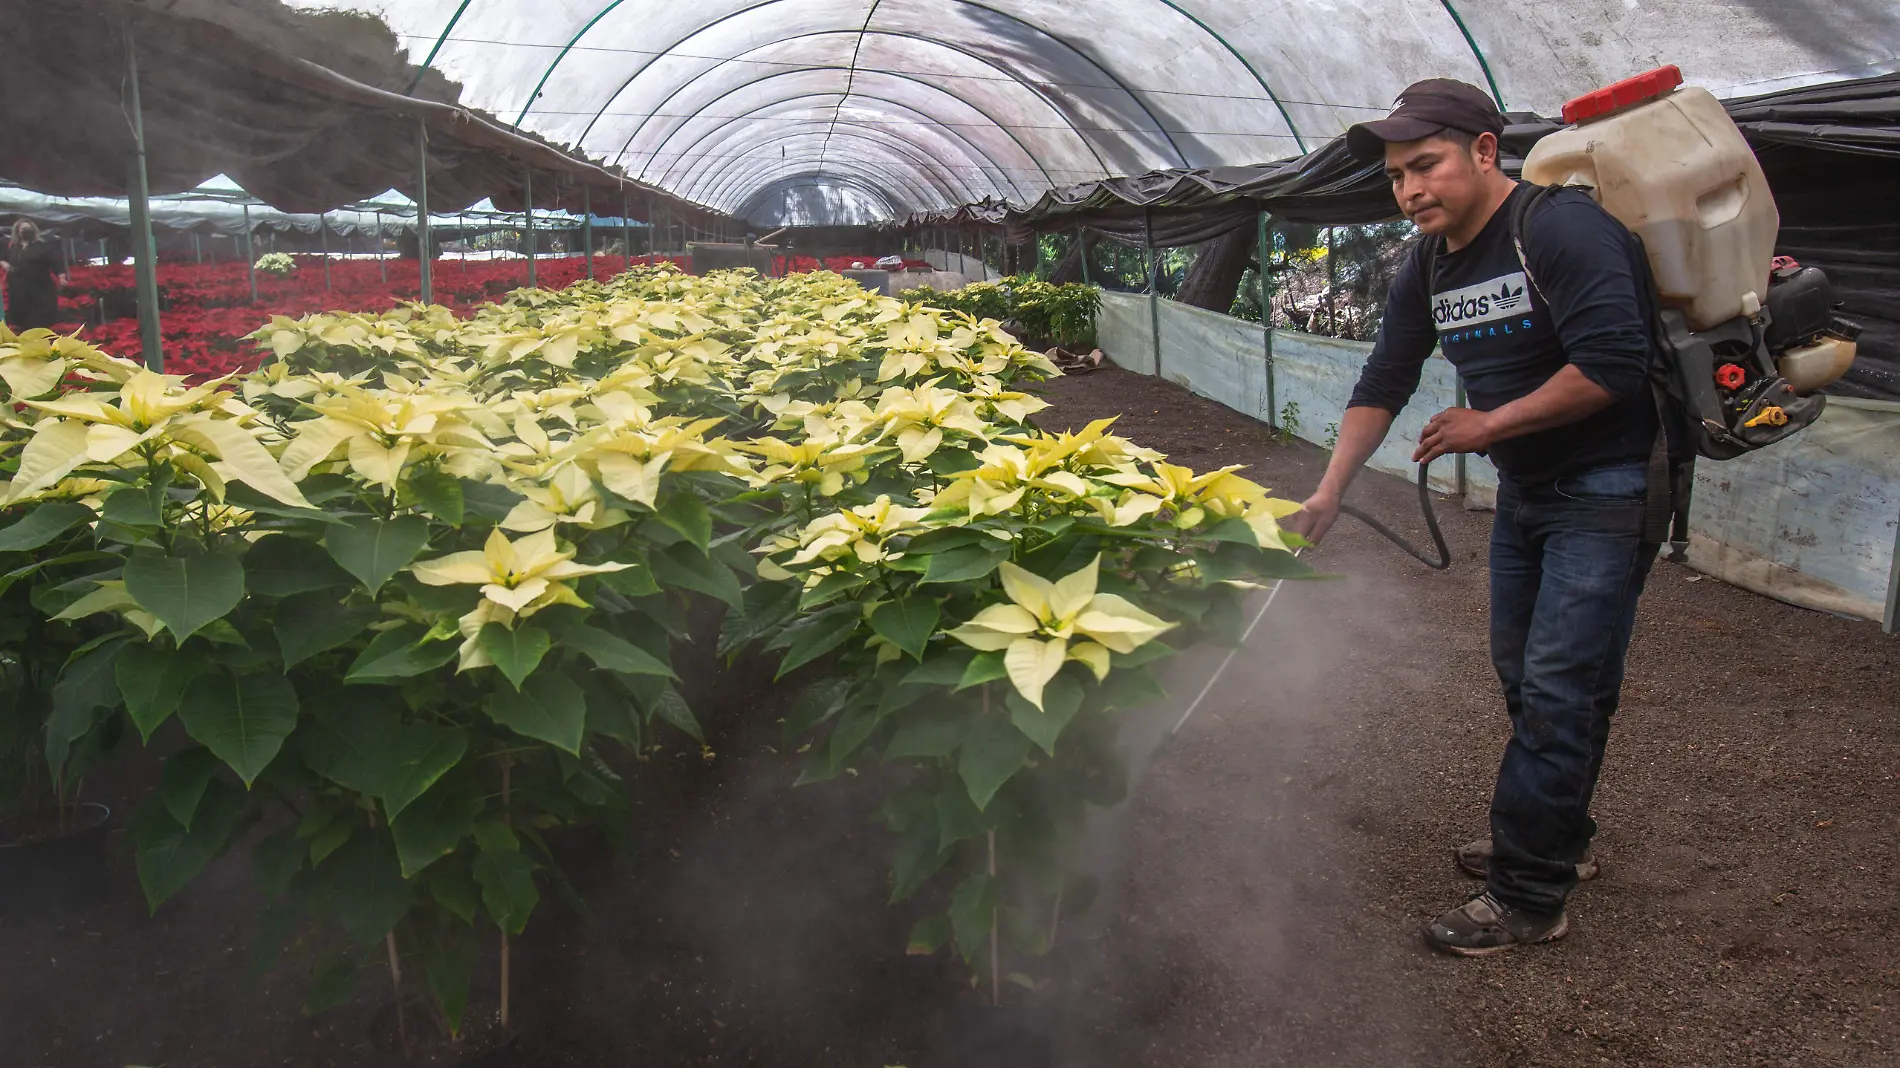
x: 1431, y: 523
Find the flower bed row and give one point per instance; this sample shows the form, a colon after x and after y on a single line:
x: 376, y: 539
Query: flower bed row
x: 403, y: 592
x: 209, y: 309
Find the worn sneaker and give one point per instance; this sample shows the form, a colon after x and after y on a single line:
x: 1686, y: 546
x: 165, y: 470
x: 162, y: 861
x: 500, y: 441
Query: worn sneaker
x: 1485, y: 926
x: 1475, y: 859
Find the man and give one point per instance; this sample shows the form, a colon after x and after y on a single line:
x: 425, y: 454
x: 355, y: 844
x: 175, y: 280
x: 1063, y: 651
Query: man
x: 1556, y: 362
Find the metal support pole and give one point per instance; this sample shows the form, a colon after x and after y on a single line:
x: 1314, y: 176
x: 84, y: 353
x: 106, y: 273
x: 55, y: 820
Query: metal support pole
x: 527, y: 207
x: 587, y: 227
x: 626, y: 232
x: 424, y: 254
x: 1887, y: 619
x: 197, y: 248
x: 462, y: 217
x: 1332, y: 283
x: 382, y: 265
x: 1082, y: 250
x: 144, y: 253
x: 323, y: 244
x: 1266, y: 317
x: 250, y: 256
x: 1154, y: 284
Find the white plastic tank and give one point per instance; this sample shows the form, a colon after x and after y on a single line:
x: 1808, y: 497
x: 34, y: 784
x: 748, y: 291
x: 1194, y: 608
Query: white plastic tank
x: 1671, y: 165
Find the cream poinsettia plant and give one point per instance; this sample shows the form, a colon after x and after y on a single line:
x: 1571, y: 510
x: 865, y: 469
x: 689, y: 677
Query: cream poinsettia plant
x: 273, y: 569
x: 1046, y: 623
x: 517, y: 579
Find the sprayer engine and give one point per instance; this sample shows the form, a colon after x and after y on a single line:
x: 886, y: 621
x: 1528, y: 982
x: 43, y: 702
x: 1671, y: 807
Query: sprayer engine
x: 1751, y: 381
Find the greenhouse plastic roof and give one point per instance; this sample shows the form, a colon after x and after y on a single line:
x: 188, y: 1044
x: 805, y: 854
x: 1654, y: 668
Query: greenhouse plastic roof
x: 845, y: 111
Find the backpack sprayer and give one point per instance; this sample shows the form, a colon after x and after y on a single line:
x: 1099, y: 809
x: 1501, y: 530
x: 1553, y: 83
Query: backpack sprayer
x: 1742, y: 338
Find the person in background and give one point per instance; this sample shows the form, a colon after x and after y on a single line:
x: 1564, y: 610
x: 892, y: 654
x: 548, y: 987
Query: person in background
x: 1552, y: 341
x: 34, y: 271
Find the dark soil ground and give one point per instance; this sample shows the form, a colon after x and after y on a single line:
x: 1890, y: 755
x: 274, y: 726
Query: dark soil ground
x: 1264, y: 887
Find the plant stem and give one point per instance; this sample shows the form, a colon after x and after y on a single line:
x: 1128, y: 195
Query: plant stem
x: 395, y: 982
x: 1055, y: 922
x: 996, y: 967
x: 507, y: 818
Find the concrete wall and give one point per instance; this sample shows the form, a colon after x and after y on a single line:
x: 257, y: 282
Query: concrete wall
x: 955, y: 262
x: 1811, y: 521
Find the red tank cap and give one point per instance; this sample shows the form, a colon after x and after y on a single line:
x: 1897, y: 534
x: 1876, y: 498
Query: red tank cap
x: 1643, y: 87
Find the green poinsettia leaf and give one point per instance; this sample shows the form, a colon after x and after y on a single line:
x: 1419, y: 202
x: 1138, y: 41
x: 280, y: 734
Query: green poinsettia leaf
x: 184, y: 592
x: 516, y: 652
x: 244, y: 720
x: 374, y: 549
x: 907, y: 623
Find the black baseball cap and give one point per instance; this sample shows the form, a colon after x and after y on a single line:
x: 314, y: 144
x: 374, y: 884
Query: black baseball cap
x: 1426, y: 108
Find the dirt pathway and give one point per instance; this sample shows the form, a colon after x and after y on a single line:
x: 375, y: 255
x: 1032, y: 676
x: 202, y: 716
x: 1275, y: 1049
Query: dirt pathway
x: 1283, y: 853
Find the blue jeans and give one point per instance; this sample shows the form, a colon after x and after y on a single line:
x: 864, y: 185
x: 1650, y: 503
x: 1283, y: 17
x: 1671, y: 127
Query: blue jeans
x: 1568, y: 563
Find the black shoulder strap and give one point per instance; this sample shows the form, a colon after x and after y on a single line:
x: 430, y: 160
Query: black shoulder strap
x: 1521, y: 208
x: 1520, y: 230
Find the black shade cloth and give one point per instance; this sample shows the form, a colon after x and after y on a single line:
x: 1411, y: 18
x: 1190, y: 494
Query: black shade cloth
x: 297, y: 135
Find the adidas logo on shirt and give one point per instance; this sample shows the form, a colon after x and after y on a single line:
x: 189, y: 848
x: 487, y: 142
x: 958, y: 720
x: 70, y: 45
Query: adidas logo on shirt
x: 1481, y: 303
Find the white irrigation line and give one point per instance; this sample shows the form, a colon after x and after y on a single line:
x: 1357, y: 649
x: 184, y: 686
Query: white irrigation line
x: 1231, y: 653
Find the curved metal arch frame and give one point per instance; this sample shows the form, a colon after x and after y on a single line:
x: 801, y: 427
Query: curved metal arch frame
x: 1476, y: 52
x: 858, y: 182
x: 720, y: 182
x: 867, y: 171
x: 806, y: 181
x: 857, y: 169
x: 1079, y: 53
x: 930, y: 119
x: 1097, y: 64
x: 811, y: 177
x: 1247, y: 63
x: 437, y: 47
x: 973, y: 154
x: 713, y: 175
x: 725, y: 133
x: 734, y: 169
x: 736, y: 188
x: 872, y: 169
x: 1027, y: 85
x: 886, y: 165
x: 976, y: 154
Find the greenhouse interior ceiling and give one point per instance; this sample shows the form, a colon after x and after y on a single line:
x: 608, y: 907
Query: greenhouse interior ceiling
x: 842, y: 111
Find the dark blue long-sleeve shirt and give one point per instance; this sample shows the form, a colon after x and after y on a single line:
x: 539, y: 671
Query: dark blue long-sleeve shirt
x: 1496, y: 330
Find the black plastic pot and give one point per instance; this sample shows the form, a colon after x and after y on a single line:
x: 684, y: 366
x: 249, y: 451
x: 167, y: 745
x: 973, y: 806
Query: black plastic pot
x: 55, y: 874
